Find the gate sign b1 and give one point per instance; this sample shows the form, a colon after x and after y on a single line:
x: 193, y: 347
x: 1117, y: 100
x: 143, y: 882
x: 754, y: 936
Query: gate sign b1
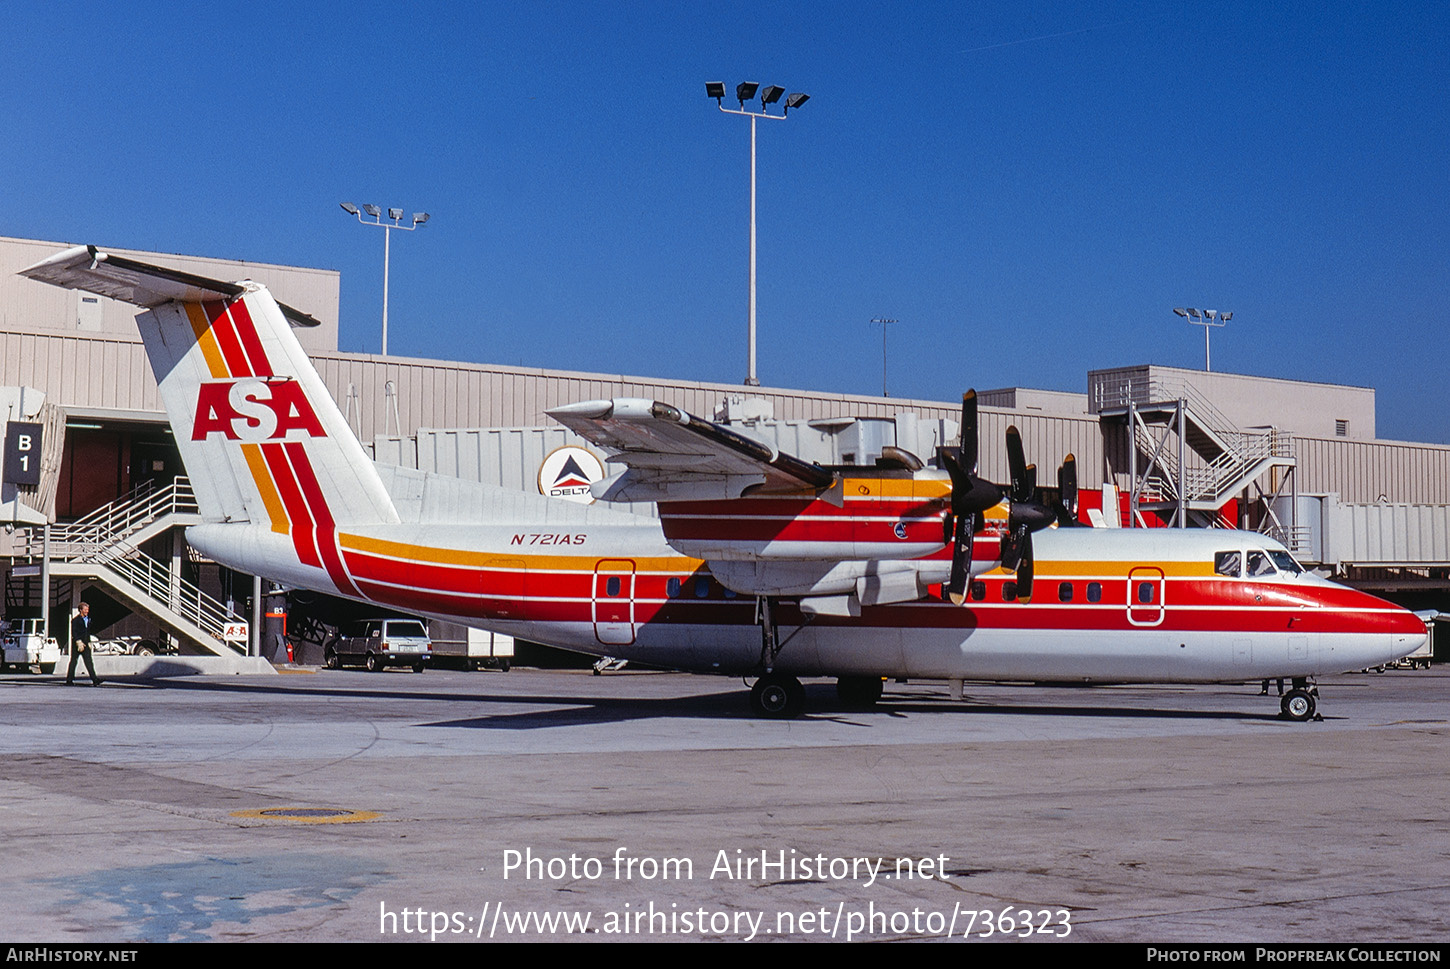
x: 22, y: 453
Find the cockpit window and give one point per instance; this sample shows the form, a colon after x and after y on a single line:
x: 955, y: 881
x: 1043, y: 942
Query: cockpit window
x: 1226, y: 563
x: 1286, y: 563
x: 1258, y: 563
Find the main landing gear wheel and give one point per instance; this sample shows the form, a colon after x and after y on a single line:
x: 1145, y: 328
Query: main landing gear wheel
x: 859, y: 692
x: 1298, y: 705
x: 778, y: 697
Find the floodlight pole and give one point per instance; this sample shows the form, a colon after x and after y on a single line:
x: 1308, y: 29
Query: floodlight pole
x: 1205, y: 319
x: 883, y: 321
x: 795, y: 100
x: 396, y: 215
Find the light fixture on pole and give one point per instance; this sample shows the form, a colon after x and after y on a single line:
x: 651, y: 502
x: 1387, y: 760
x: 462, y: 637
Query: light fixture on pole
x: 396, y: 215
x: 746, y: 91
x: 883, y: 321
x: 1205, y: 319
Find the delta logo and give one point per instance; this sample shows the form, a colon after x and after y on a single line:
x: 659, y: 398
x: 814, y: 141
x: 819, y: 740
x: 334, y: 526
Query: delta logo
x: 253, y: 409
x: 568, y: 472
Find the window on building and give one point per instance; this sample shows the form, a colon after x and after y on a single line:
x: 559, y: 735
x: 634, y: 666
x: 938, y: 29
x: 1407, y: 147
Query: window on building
x: 1341, y: 428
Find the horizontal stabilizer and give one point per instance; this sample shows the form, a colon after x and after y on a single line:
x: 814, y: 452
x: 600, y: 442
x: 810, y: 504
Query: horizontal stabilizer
x: 131, y: 281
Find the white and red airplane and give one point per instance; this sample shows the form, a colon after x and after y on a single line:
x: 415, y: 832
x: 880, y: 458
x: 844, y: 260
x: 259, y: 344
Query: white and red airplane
x: 760, y: 563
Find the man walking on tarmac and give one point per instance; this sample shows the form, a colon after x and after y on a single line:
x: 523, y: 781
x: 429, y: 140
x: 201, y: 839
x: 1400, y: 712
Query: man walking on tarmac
x: 82, y: 642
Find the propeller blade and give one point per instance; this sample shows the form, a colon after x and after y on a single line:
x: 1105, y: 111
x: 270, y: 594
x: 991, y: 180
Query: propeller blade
x: 966, y: 527
x: 1013, y: 544
x: 1021, y: 489
x: 1024, y: 570
x: 969, y: 431
x: 1067, y: 485
x: 970, y: 494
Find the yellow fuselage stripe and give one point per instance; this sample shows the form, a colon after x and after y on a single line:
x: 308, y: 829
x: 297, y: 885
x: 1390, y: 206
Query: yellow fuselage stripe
x: 276, y: 511
x: 207, y: 341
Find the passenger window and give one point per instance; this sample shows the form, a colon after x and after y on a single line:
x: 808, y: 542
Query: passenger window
x: 1095, y: 592
x: 1145, y: 593
x: 979, y: 591
x: 1064, y: 592
x: 1226, y: 563
x: 611, y: 587
x: 672, y: 587
x: 1009, y: 591
x: 702, y: 587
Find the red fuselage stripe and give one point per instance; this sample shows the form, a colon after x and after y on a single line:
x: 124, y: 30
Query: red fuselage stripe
x: 1192, y: 604
x: 304, y: 537
x: 226, y: 338
x: 325, y: 529
x: 246, y: 330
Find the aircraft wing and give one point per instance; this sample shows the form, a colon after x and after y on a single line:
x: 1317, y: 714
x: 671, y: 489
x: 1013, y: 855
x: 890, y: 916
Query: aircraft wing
x: 107, y: 274
x: 670, y: 455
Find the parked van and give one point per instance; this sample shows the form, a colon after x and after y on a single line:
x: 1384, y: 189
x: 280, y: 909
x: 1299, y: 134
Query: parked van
x: 380, y: 643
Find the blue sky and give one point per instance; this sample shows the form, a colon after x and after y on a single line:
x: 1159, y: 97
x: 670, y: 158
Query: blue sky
x: 1030, y: 188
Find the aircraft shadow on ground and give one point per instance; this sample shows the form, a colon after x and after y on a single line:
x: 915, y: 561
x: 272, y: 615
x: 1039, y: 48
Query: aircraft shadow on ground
x: 542, y: 710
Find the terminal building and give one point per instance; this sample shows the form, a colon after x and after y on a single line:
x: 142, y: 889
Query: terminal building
x: 1155, y: 446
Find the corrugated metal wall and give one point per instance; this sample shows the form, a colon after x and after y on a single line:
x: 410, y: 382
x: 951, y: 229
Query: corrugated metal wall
x: 80, y: 371
x: 1366, y: 471
x: 506, y: 456
x: 435, y: 393
x: 1046, y: 440
x: 1369, y: 535
x: 104, y: 371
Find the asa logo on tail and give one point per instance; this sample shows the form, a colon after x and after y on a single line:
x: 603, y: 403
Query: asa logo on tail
x: 253, y: 409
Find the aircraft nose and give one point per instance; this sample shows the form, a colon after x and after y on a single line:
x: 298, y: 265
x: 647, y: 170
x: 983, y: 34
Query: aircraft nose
x: 1402, y: 644
x: 1408, y: 633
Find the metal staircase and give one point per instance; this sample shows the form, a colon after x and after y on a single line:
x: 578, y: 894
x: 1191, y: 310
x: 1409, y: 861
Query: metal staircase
x: 1197, y: 459
x: 105, y: 546
x: 119, y: 528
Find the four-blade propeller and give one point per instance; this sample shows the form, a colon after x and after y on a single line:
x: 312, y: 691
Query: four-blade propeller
x: 971, y: 496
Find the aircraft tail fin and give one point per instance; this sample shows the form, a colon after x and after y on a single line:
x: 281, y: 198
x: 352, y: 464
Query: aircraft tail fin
x: 260, y: 435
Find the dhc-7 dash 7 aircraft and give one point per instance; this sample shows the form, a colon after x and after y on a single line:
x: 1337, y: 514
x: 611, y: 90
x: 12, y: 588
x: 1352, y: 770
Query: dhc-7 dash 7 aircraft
x: 760, y: 564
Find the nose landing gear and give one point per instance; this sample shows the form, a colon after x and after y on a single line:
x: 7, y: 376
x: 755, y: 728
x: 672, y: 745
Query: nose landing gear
x: 1301, y: 703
